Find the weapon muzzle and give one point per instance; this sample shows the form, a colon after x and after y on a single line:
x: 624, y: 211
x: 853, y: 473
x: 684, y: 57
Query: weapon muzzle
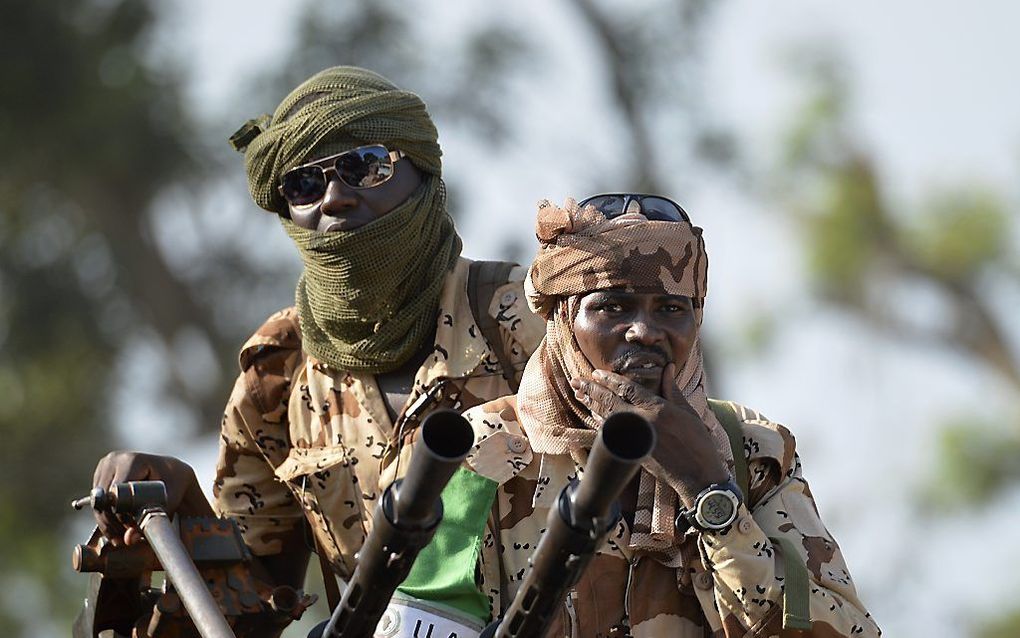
x: 444, y: 442
x: 586, y: 511
x: 623, y: 443
x: 404, y: 522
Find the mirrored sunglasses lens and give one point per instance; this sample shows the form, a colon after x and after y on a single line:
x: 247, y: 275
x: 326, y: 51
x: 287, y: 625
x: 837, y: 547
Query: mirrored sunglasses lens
x: 609, y: 205
x: 304, y: 185
x: 659, y: 209
x: 365, y: 167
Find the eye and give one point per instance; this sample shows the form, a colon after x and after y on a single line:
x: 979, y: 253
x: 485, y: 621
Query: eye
x: 608, y: 307
x: 673, y: 307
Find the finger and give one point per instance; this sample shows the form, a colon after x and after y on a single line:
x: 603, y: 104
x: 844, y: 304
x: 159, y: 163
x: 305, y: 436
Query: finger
x: 599, y: 399
x: 624, y: 388
x: 103, y: 477
x: 133, y: 535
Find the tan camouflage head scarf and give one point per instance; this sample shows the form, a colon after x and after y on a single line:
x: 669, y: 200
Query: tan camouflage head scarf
x: 368, y: 297
x: 581, y: 252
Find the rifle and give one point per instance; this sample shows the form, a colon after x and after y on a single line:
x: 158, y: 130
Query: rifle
x: 404, y: 522
x: 210, y: 572
x: 587, y: 510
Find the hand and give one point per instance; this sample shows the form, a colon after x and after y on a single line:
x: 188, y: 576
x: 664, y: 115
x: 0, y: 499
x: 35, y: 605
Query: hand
x: 184, y: 495
x: 685, y: 455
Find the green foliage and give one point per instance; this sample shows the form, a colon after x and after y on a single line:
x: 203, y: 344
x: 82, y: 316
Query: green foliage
x: 960, y: 232
x: 957, y: 243
x: 974, y: 461
x: 92, y: 137
x: 1005, y: 626
x: 845, y: 234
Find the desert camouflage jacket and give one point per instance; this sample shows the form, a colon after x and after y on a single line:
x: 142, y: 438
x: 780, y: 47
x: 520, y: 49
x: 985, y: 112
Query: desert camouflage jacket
x: 731, y: 582
x: 300, y: 440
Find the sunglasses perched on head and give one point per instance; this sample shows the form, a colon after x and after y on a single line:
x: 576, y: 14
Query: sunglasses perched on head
x: 362, y: 167
x: 651, y: 206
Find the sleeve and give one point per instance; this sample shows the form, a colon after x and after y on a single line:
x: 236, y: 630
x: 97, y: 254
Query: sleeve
x: 246, y: 488
x: 748, y: 563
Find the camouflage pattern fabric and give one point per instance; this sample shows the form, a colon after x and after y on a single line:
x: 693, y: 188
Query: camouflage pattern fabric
x: 581, y: 251
x: 301, y: 440
x: 728, y: 584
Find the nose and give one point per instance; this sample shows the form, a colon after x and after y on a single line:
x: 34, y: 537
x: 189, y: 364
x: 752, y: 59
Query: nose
x: 645, y: 330
x: 338, y: 199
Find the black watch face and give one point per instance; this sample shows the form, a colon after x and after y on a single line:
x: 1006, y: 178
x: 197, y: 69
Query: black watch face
x: 717, y: 509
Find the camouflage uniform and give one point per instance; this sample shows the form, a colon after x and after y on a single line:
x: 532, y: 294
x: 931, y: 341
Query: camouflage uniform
x: 302, y: 441
x: 730, y: 583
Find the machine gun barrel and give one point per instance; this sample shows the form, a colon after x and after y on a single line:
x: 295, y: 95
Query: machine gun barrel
x: 587, y: 510
x: 145, y: 501
x: 403, y: 523
x: 190, y: 586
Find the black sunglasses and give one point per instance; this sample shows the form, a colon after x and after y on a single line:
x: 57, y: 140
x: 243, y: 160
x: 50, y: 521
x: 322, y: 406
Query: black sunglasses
x: 362, y: 167
x: 651, y: 206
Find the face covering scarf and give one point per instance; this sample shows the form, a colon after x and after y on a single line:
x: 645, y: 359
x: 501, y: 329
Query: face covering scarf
x: 367, y: 297
x: 582, y: 252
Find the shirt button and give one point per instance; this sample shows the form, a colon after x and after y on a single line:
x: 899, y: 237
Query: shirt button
x: 508, y: 298
x: 703, y: 580
x: 516, y: 444
x: 744, y: 525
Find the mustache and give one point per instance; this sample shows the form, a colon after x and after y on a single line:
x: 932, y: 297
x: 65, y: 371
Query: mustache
x: 640, y: 354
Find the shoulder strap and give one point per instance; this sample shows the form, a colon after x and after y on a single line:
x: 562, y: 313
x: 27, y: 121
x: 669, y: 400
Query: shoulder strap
x: 796, y: 605
x: 727, y: 416
x: 484, y: 277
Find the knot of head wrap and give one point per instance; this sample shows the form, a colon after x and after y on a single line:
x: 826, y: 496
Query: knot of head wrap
x: 581, y: 251
x: 334, y: 110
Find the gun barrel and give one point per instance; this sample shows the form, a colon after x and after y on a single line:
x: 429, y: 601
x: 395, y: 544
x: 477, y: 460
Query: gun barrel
x: 624, y: 441
x: 190, y: 586
x: 403, y: 523
x: 444, y: 441
x: 586, y: 512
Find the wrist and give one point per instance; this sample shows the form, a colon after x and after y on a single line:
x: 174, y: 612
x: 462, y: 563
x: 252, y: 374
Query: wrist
x: 694, y: 485
x: 714, y: 509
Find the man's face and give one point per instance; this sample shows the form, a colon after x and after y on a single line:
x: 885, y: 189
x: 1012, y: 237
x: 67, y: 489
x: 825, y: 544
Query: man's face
x: 635, y: 334
x: 345, y: 208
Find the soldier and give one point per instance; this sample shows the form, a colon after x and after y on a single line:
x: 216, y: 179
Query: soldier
x: 621, y: 281
x: 390, y: 324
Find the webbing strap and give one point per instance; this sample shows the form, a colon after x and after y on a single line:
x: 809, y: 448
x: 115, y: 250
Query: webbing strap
x: 796, y: 586
x: 796, y: 605
x: 484, y: 277
x: 727, y: 416
x: 328, y: 577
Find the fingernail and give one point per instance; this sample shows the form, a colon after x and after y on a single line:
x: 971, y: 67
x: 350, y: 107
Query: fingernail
x: 599, y: 374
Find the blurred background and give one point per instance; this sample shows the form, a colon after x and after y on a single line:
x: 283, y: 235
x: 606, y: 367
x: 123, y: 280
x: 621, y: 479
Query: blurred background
x: 854, y: 166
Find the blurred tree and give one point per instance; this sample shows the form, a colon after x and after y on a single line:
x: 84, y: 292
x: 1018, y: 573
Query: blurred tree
x: 93, y: 135
x: 871, y: 255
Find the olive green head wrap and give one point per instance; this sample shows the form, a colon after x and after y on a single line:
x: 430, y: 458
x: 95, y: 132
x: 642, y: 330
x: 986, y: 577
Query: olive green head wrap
x: 334, y: 110
x: 368, y: 297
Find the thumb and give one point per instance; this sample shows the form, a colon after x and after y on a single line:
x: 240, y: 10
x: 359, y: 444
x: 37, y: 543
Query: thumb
x: 669, y: 389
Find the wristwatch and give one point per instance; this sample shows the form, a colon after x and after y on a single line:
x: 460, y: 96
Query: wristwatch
x: 715, y: 509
